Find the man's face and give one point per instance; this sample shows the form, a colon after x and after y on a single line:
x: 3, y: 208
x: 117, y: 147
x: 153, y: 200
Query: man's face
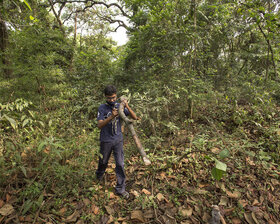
x: 112, y: 98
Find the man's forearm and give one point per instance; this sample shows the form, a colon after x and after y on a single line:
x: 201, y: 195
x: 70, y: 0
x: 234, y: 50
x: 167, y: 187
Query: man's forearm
x: 131, y: 113
x: 102, y: 123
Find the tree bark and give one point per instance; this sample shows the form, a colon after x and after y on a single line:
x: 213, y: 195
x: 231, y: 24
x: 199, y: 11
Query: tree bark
x: 129, y: 123
x: 4, y: 37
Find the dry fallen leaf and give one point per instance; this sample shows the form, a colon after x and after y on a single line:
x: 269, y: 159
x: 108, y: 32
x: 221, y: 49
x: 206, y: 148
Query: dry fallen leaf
x: 1, y: 203
x: 160, y: 196
x: 110, y: 210
x: 185, y: 212
x: 206, y: 217
x: 243, y: 203
x: 255, y: 202
x: 73, y: 217
x: 137, y: 215
x: 8, y: 197
x: 146, y: 192
x: 235, y: 194
x: 149, y: 214
x: 200, y: 191
x: 223, y: 201
x: 86, y: 201
x: 254, y: 218
x: 236, y: 221
x: 135, y: 193
x: 215, y: 150
x: 6, y: 210
x: 62, y: 211
x: 249, y: 218
x: 94, y: 209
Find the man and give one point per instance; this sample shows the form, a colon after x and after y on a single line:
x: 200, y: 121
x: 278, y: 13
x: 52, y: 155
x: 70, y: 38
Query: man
x: 111, y: 138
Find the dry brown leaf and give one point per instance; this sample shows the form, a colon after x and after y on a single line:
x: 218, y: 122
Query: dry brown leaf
x: 110, y: 210
x: 236, y: 221
x: 261, y: 199
x: 223, y: 201
x: 94, y: 209
x: 149, y: 214
x: 228, y: 211
x: 215, y: 150
x: 86, y: 201
x: 206, y: 217
x: 243, y: 203
x: 1, y: 203
x: 160, y: 196
x: 200, y: 191
x: 146, y: 192
x: 235, y: 194
x: 112, y: 195
x: 73, y: 217
x: 135, y: 193
x: 6, y: 210
x: 28, y: 219
x: 250, y: 161
x: 137, y: 215
x: 8, y: 197
x: 111, y: 219
x: 248, y: 217
x: 62, y: 211
x: 185, y: 212
x: 274, y: 182
x: 254, y: 218
x: 122, y: 219
x: 255, y: 202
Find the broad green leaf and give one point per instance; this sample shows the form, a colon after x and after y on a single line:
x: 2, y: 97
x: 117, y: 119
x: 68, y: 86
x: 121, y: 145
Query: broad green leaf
x: 220, y: 166
x: 31, y: 17
x: 41, y: 123
x: 217, y: 174
x: 25, y: 122
x: 224, y: 154
x: 27, y: 205
x: 12, y: 122
x: 31, y: 113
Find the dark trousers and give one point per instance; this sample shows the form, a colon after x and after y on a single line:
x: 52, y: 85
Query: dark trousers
x: 106, y: 149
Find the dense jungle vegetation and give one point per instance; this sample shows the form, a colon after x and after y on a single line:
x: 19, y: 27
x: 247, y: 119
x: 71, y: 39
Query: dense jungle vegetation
x: 203, y: 75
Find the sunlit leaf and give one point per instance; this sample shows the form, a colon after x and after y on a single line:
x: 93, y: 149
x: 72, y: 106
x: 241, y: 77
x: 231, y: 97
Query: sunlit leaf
x: 217, y: 174
x: 12, y: 122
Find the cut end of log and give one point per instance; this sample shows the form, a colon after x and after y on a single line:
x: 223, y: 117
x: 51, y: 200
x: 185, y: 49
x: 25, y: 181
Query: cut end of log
x: 146, y: 161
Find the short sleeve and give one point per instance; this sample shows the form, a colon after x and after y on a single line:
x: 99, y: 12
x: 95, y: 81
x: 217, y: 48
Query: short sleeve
x: 100, y: 114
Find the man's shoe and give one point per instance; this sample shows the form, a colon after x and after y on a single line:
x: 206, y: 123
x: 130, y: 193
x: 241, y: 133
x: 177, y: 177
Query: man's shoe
x: 124, y: 195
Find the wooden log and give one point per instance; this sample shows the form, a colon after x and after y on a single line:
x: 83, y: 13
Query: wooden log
x: 129, y: 123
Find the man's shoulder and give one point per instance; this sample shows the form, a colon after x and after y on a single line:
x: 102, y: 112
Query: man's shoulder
x: 102, y: 106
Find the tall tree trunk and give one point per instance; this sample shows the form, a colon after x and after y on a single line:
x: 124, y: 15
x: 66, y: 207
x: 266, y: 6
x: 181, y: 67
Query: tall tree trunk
x: 3, y: 49
x: 57, y: 17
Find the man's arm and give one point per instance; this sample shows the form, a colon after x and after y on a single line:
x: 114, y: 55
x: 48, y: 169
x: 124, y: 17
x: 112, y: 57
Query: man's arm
x: 102, y: 123
x: 131, y: 112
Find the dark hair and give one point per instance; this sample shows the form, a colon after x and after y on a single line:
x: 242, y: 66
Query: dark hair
x: 110, y: 90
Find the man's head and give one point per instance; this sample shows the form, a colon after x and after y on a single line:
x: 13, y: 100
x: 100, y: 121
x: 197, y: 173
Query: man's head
x: 110, y: 93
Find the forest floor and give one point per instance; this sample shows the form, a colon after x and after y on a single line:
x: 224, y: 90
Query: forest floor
x: 174, y: 189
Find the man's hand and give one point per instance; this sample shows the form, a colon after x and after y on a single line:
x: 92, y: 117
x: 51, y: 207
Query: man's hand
x: 125, y: 102
x: 115, y: 112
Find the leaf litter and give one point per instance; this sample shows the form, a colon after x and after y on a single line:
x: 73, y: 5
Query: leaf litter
x: 184, y: 193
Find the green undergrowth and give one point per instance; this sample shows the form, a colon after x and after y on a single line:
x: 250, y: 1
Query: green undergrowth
x: 50, y: 152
